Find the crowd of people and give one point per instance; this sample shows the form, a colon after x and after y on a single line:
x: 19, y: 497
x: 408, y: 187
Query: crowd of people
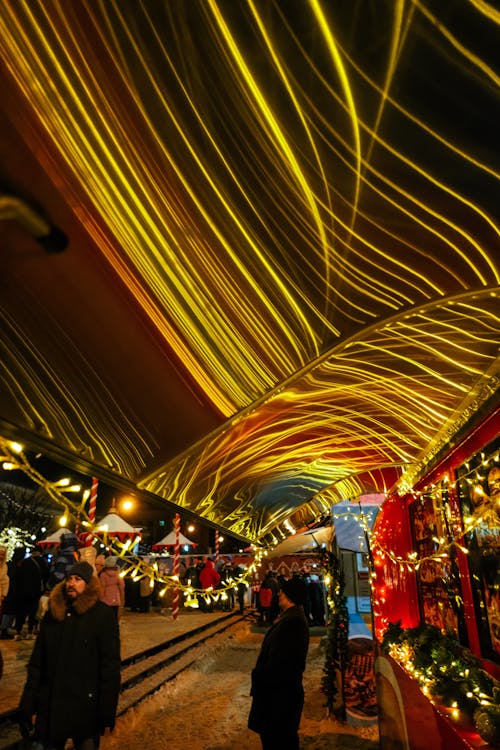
x: 27, y: 579
x: 266, y: 596
x: 23, y: 581
x: 261, y: 594
x: 72, y: 607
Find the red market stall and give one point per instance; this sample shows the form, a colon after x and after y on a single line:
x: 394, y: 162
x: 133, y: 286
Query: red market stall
x: 436, y: 568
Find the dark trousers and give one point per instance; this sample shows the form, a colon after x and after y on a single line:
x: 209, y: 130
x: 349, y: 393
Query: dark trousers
x: 281, y: 739
x: 26, y: 607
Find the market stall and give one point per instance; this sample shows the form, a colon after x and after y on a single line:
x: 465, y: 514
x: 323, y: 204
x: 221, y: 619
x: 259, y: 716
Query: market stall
x: 436, y: 558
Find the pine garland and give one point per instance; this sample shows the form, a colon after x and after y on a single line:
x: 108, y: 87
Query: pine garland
x: 337, y: 635
x: 451, y: 673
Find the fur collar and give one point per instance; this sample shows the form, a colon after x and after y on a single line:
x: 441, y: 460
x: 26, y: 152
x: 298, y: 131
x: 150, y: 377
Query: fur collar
x: 58, y: 604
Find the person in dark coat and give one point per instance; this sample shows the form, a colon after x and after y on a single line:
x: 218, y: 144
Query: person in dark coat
x: 192, y: 574
x: 73, y: 677
x: 9, y: 604
x: 277, y: 692
x: 30, y: 583
x: 275, y: 588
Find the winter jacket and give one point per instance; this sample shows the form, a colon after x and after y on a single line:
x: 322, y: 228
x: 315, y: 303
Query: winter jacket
x: 113, y: 587
x: 30, y: 582
x: 265, y: 596
x: 65, y: 559
x: 74, y: 671
x: 10, y: 603
x: 209, y: 578
x: 277, y: 692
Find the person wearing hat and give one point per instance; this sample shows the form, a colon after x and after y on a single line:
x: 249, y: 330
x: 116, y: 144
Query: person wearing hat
x: 277, y: 692
x: 66, y: 556
x: 73, y: 677
x: 112, y: 584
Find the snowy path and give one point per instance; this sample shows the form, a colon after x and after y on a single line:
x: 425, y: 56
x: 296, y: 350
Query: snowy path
x: 206, y: 707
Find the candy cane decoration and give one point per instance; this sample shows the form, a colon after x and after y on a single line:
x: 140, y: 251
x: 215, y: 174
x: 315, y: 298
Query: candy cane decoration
x: 216, y: 544
x: 177, y: 528
x: 92, y: 509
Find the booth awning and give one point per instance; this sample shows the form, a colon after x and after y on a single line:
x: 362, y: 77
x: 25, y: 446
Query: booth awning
x: 169, y: 541
x: 53, y: 540
x: 115, y: 526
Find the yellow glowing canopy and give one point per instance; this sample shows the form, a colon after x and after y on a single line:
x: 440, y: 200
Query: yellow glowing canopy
x: 282, y: 273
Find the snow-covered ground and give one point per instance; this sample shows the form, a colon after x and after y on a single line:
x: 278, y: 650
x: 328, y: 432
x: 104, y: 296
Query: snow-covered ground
x: 206, y: 706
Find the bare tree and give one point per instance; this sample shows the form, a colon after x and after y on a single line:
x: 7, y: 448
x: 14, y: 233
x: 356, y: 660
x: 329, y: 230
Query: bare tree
x: 25, y: 508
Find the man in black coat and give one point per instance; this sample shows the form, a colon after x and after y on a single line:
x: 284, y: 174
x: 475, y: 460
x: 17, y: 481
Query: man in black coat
x: 74, y: 671
x: 277, y: 692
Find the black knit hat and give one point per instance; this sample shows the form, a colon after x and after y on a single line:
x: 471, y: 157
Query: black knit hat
x: 295, y: 590
x: 82, y: 570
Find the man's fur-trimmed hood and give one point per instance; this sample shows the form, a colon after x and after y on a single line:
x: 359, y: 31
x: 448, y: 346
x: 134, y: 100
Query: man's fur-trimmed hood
x: 58, y: 604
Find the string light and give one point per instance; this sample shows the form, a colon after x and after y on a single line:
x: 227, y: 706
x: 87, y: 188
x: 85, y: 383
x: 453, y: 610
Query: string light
x: 150, y: 570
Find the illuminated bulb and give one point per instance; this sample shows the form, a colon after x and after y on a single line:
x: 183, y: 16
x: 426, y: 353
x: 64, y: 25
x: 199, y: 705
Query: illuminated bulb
x: 16, y: 447
x: 63, y: 521
x: 8, y: 465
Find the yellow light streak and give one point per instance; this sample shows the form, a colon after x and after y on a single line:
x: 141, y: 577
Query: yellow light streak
x: 256, y: 195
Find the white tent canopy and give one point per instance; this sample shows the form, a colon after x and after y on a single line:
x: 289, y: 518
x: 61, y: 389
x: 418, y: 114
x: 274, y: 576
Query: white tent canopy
x: 307, y: 541
x: 348, y: 530
x: 115, y: 525
x: 53, y: 539
x: 169, y: 541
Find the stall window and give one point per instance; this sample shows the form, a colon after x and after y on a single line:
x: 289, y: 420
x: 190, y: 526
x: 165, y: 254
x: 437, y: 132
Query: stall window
x: 479, y: 494
x: 437, y: 577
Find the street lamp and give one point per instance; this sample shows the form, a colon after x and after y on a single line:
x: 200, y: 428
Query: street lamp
x: 127, y: 503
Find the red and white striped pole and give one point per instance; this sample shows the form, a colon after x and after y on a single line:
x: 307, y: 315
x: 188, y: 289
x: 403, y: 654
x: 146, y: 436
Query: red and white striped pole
x: 92, y: 509
x: 216, y: 544
x: 175, y: 571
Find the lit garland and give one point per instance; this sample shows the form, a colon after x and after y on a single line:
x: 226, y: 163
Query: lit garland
x: 336, y: 637
x: 488, y: 517
x: 447, y: 673
x: 13, y: 457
